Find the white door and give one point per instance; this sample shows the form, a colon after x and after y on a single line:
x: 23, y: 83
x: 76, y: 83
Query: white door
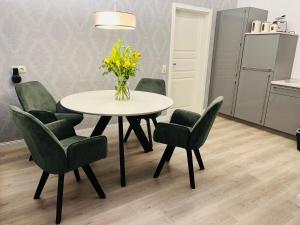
x: 189, y: 56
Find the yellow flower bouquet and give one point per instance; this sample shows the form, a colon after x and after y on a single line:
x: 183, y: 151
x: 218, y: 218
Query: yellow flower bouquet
x: 123, y: 62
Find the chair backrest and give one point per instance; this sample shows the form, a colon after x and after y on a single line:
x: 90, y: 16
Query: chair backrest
x: 157, y: 86
x: 203, y: 126
x: 34, y: 96
x: 45, y: 148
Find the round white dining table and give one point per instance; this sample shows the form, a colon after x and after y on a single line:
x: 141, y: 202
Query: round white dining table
x: 103, y: 103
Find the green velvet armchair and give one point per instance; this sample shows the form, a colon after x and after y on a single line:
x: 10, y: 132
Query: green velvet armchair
x: 56, y: 149
x: 156, y: 86
x: 187, y: 130
x: 36, y: 100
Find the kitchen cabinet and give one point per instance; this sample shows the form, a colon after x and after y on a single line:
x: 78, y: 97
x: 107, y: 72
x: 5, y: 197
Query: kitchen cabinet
x: 265, y: 58
x: 252, y: 93
x: 283, y: 112
x: 231, y: 25
x: 244, y: 66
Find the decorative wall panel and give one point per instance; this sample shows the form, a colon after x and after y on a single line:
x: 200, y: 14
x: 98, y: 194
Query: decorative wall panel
x: 58, y: 44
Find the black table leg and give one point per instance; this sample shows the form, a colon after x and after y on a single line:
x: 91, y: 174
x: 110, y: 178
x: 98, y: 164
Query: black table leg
x: 101, y: 125
x: 121, y: 152
x: 134, y: 123
x: 127, y: 134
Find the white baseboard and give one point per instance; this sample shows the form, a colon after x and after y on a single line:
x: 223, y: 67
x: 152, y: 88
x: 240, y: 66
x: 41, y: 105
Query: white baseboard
x: 12, y: 144
x: 84, y: 132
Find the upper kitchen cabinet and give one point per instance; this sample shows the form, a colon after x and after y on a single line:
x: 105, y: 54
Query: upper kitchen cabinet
x: 231, y: 25
x: 271, y: 52
x: 260, y: 51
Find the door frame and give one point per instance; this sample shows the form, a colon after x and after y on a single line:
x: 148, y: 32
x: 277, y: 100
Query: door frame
x: 204, y: 52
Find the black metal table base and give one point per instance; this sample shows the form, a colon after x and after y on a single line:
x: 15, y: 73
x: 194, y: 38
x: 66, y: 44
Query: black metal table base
x: 121, y: 152
x: 135, y: 124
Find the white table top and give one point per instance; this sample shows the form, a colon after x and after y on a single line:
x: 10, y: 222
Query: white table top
x: 104, y: 103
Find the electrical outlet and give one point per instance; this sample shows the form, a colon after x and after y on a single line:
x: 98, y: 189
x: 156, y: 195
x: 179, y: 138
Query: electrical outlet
x: 164, y: 69
x: 22, y: 69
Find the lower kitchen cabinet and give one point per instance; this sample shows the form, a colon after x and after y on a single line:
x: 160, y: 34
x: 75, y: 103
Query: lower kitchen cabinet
x: 224, y: 86
x: 252, y: 95
x: 283, y: 111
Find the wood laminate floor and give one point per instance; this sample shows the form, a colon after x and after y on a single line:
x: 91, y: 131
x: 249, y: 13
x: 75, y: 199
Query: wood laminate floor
x: 251, y: 178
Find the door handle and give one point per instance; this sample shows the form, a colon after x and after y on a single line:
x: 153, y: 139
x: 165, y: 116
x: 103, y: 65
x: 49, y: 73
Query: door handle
x: 174, y: 64
x: 256, y: 69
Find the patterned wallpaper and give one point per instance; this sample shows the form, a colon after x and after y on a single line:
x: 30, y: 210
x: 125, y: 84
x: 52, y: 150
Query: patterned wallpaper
x: 58, y: 44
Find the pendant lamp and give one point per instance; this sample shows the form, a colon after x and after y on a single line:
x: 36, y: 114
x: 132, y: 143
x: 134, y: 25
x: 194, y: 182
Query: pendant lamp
x: 115, y: 20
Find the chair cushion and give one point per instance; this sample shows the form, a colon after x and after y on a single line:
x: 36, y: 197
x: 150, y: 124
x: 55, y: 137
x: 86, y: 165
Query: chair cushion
x: 44, y: 116
x: 71, y: 140
x: 73, y: 118
x: 34, y: 96
x: 62, y: 129
x: 172, y: 134
x: 157, y: 86
x: 86, y: 151
x: 184, y: 117
x: 152, y: 85
x: 45, y: 148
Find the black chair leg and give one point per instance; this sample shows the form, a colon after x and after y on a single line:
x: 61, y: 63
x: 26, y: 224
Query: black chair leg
x: 59, y: 201
x: 162, y: 162
x: 41, y: 185
x: 77, y: 175
x: 191, y: 168
x: 199, y: 159
x: 149, y: 131
x: 88, y: 171
x: 30, y: 158
x: 154, y: 121
x: 170, y: 150
x: 128, y: 133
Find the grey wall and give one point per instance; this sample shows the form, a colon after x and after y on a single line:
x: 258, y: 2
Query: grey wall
x: 57, y: 43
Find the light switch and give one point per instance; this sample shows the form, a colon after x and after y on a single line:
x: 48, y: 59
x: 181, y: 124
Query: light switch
x: 164, y: 69
x: 22, y: 69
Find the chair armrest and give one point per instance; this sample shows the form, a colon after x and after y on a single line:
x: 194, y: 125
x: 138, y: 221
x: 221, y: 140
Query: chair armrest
x: 43, y: 116
x: 61, y: 109
x: 86, y: 151
x: 185, y: 118
x: 62, y: 129
x: 172, y: 134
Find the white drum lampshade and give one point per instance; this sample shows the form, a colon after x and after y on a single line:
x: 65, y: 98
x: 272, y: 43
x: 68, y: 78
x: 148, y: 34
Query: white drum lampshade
x: 115, y: 20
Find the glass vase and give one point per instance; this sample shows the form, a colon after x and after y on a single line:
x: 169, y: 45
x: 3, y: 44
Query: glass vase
x: 122, y: 90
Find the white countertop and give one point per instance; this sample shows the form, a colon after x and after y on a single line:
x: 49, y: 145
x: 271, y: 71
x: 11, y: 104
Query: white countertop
x: 288, y: 83
x: 271, y: 33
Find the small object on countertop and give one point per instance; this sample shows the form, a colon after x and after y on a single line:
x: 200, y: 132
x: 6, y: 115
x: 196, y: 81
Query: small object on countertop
x: 256, y: 26
x: 274, y: 28
x: 298, y: 200
x: 16, y: 78
x: 282, y: 23
x: 265, y: 27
